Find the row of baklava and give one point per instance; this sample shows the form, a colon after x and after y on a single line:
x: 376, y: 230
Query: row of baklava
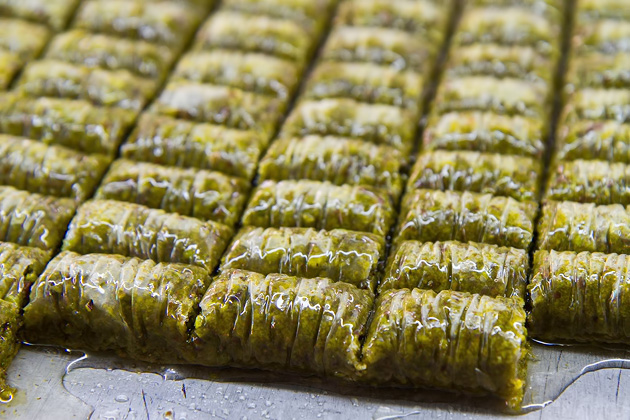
x: 26, y: 219
x: 580, y: 282
x: 467, y: 218
x: 63, y: 120
x: 475, y: 185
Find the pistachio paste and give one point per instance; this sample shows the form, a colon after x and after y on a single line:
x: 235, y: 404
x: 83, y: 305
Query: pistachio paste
x: 19, y: 268
x: 75, y: 124
x: 167, y: 22
x: 48, y: 169
x: 202, y: 194
x: 99, y: 302
x: 222, y: 105
x: 509, y: 176
x: 114, y: 227
x: 33, y: 220
x: 59, y: 79
x: 449, y: 340
x: 185, y: 144
x: 375, y: 123
x: 451, y: 265
x: 278, y: 37
x: 590, y: 181
x: 52, y: 13
x: 320, y: 205
x: 251, y: 72
x: 112, y: 53
x: 282, y: 322
x: 338, y: 254
x: 570, y: 226
x: 365, y: 82
x: 429, y: 215
x: 336, y: 160
x: 580, y: 297
x: 483, y: 131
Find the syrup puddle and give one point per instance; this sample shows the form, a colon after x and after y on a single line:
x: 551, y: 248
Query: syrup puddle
x: 53, y: 381
x: 555, y: 367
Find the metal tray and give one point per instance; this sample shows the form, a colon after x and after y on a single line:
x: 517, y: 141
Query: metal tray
x: 58, y: 384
